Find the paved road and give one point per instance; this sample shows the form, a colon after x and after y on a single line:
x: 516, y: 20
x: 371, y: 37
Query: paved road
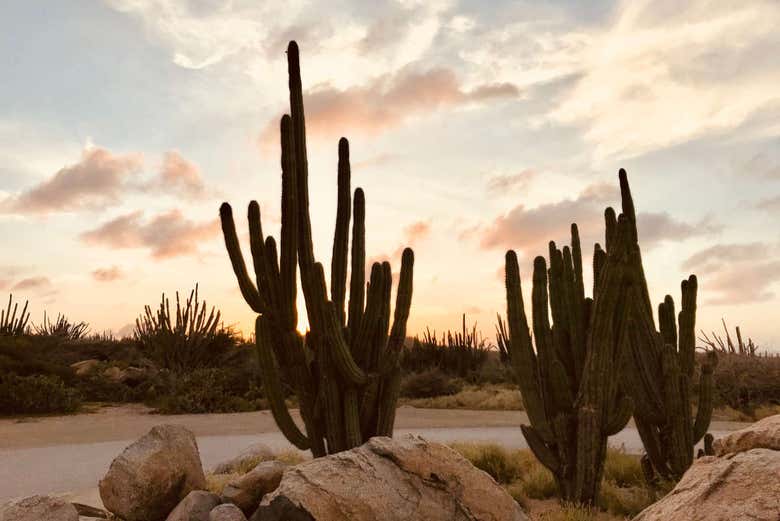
x: 71, y: 453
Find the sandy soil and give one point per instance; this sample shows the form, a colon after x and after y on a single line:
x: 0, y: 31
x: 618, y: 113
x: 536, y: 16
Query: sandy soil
x: 131, y: 421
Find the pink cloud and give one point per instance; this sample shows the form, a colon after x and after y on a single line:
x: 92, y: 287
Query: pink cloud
x: 179, y: 176
x: 32, y: 283
x: 107, y: 274
x: 94, y: 182
x: 165, y: 235
x: 385, y: 102
x: 503, y: 183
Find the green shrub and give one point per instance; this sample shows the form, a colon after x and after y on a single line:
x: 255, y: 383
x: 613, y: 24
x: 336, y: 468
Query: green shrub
x: 429, y: 384
x: 207, y: 391
x: 36, y: 394
x: 625, y: 470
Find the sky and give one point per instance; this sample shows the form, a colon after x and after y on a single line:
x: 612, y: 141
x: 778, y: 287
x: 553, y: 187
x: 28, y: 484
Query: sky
x: 474, y: 127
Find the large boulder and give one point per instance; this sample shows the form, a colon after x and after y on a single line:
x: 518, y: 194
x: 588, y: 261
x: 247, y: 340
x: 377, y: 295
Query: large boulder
x: 249, y: 457
x: 764, y: 434
x: 153, y: 475
x: 404, y: 479
x: 38, y: 508
x: 195, y: 507
x: 226, y: 512
x: 743, y: 486
x: 246, y: 491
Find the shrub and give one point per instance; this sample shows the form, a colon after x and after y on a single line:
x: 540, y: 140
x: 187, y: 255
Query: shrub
x: 744, y: 382
x: 206, y: 391
x: 460, y: 353
x: 625, y: 470
x: 429, y: 384
x: 623, y: 501
x: 36, y: 394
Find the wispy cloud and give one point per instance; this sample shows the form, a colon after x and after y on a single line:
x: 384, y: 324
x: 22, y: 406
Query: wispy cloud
x: 94, y: 182
x: 503, y: 183
x: 164, y: 235
x: 109, y: 274
x: 179, y: 176
x: 657, y: 75
x: 386, y: 102
x: 736, y: 273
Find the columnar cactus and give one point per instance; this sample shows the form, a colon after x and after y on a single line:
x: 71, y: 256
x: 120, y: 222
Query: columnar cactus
x: 659, y: 372
x: 345, y: 371
x: 570, y: 384
x: 10, y: 324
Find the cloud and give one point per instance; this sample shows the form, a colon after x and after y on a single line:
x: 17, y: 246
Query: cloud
x: 417, y: 231
x: 760, y: 165
x: 165, y: 235
x: 95, y: 181
x: 377, y: 160
x: 736, y: 273
x: 32, y: 283
x: 178, y: 175
x: 107, y: 274
x: 530, y: 229
x: 386, y: 102
x: 500, y: 184
x: 655, y: 76
x: 772, y: 204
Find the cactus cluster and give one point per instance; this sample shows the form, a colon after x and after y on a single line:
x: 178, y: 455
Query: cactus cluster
x: 10, y: 323
x: 345, y: 371
x: 570, y: 383
x: 660, y: 367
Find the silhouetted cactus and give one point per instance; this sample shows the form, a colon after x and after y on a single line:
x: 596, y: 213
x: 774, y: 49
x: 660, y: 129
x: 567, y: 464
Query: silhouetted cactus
x: 502, y: 339
x: 570, y: 383
x: 10, y: 323
x: 659, y: 370
x: 461, y: 353
x: 187, y: 340
x: 346, y: 370
x: 62, y: 328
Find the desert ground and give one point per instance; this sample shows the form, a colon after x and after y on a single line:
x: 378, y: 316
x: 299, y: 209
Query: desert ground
x: 69, y: 454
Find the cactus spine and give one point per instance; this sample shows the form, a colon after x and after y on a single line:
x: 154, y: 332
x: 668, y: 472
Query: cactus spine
x: 570, y: 383
x: 346, y: 370
x: 659, y: 372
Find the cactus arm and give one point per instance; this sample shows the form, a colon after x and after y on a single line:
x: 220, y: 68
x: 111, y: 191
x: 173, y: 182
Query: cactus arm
x: 704, y: 410
x: 272, y: 386
x: 338, y: 270
x: 523, y: 357
x: 619, y: 416
x: 403, y: 301
x: 289, y: 235
x: 387, y: 403
x: 543, y: 453
x: 245, y: 284
x: 352, y: 433
x: 357, y: 284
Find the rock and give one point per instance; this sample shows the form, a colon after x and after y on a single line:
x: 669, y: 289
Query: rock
x: 85, y: 367
x: 764, y: 434
x: 195, y: 507
x: 38, y: 508
x: 250, y: 456
x: 403, y: 479
x: 227, y: 512
x: 246, y: 491
x: 153, y: 474
x: 739, y: 487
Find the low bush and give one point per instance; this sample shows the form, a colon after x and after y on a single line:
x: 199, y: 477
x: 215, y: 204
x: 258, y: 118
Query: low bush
x: 36, y: 394
x: 429, y: 384
x: 207, y: 391
x: 745, y: 382
x: 486, y: 397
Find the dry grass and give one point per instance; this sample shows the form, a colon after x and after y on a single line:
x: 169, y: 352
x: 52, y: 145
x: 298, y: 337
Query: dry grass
x: 622, y: 493
x: 215, y: 483
x: 485, y: 397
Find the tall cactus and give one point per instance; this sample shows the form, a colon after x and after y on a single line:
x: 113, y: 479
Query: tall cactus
x: 346, y: 370
x: 570, y: 384
x: 659, y: 372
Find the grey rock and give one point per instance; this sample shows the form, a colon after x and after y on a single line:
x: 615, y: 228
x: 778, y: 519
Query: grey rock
x: 152, y: 475
x: 195, y: 507
x: 227, y: 512
x: 38, y: 508
x: 251, y: 455
x: 246, y: 491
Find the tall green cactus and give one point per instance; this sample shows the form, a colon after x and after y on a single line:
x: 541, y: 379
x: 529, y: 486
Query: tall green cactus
x: 570, y: 384
x: 346, y: 371
x: 659, y: 370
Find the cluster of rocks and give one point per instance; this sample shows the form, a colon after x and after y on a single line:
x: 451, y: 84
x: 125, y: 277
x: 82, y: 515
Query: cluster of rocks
x: 160, y: 478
